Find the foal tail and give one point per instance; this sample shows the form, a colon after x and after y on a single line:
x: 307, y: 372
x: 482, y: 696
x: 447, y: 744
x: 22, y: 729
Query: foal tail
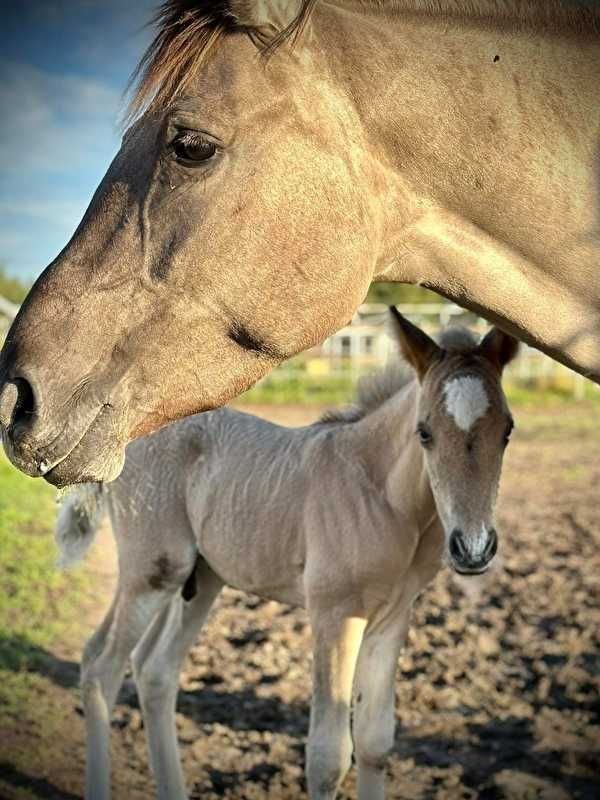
x: 78, y: 520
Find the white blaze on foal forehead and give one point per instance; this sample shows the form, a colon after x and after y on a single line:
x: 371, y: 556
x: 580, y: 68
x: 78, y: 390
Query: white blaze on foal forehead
x: 466, y: 400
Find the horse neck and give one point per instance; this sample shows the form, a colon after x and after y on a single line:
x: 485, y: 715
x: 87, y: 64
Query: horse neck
x: 393, y: 457
x: 457, y: 117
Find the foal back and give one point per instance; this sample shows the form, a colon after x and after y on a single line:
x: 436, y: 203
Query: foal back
x: 256, y: 496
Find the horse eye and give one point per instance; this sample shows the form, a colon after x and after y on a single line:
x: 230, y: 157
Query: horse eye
x: 192, y: 148
x: 424, y: 434
x: 508, y: 431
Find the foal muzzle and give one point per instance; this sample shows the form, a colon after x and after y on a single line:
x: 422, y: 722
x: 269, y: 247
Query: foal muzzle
x: 471, y: 555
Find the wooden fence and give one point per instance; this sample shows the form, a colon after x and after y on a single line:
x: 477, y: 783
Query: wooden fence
x: 364, y: 345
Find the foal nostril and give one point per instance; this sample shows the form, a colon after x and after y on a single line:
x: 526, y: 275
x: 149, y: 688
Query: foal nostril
x: 458, y: 551
x: 466, y: 556
x: 17, y: 403
x: 491, y: 547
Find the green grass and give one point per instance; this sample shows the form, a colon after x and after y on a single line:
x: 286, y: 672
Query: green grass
x: 543, y: 397
x: 27, y: 575
x: 301, y: 390
x: 293, y: 385
x: 40, y: 614
x: 37, y: 602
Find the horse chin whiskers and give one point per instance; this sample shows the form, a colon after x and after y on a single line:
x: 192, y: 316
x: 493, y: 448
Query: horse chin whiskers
x: 469, y: 573
x: 105, y: 465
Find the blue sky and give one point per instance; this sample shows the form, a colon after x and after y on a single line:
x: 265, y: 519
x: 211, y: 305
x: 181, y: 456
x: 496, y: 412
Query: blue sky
x: 63, y: 68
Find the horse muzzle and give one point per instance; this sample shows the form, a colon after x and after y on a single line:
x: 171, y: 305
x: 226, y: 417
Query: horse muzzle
x: 75, y: 451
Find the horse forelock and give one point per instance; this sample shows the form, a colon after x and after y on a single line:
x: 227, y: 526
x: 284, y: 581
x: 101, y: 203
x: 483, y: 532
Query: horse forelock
x: 187, y: 33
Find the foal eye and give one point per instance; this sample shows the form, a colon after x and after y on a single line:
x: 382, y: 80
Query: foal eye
x: 192, y: 148
x: 424, y: 434
x: 508, y: 431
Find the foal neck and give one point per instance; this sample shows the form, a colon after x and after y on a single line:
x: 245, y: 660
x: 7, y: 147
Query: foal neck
x: 393, y: 457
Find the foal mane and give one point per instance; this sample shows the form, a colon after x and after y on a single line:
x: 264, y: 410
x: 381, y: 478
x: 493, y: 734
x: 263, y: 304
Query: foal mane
x: 189, y: 30
x: 376, y: 389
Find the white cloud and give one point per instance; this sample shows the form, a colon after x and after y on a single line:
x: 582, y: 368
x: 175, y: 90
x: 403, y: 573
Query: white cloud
x: 54, y: 123
x: 10, y: 240
x: 58, y: 115
x: 62, y: 213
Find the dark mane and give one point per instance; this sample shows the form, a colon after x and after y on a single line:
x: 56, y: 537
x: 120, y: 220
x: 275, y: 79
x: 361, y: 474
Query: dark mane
x: 576, y: 15
x: 457, y: 339
x: 374, y: 390
x: 189, y: 30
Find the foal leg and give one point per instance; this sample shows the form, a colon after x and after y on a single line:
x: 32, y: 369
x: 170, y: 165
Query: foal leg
x: 103, y: 667
x: 374, y: 718
x: 336, y: 642
x: 157, y: 663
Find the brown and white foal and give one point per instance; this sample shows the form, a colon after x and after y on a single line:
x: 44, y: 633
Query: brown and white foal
x: 350, y: 517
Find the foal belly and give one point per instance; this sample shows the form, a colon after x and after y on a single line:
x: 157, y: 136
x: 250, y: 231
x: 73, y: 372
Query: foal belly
x: 246, y: 557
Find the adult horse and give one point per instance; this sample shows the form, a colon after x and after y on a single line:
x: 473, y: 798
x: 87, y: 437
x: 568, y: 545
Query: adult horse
x: 253, y: 200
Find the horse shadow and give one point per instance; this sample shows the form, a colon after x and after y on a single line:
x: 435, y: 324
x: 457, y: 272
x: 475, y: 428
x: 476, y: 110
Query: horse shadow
x: 243, y: 710
x: 38, y: 787
x: 19, y: 654
x: 502, y: 744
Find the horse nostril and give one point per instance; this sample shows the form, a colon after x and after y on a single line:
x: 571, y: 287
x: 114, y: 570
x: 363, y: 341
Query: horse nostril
x: 8, y: 402
x: 458, y: 551
x: 17, y: 403
x: 491, y: 546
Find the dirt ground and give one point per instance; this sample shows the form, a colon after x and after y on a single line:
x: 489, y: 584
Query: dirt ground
x: 497, y: 691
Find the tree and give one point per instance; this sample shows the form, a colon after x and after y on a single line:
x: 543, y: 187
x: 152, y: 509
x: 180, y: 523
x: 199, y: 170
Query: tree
x: 395, y: 293
x: 12, y: 288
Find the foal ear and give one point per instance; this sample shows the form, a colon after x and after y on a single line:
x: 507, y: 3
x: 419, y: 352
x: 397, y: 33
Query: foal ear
x: 417, y: 348
x: 279, y: 15
x: 498, y: 347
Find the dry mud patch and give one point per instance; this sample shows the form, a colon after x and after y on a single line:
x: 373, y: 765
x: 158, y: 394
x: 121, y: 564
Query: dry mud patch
x: 497, y: 691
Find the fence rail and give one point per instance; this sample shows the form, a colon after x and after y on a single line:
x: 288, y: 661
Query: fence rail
x: 364, y: 345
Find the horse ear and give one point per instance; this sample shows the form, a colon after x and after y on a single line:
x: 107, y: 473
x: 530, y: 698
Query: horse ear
x: 417, y: 348
x: 278, y: 15
x: 498, y: 347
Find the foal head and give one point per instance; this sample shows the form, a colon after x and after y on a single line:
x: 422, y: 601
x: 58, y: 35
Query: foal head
x: 463, y: 424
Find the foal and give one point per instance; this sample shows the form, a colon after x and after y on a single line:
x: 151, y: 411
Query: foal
x: 349, y: 517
